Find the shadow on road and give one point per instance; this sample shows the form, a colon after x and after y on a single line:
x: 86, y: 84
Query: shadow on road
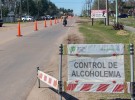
x: 65, y: 95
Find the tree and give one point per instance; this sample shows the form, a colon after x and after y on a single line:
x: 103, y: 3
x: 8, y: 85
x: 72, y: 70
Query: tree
x: 31, y: 7
x: 102, y: 4
x: 28, y: 9
x: 42, y: 6
x: 52, y: 10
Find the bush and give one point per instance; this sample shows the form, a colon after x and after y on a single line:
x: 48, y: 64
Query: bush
x: 100, y: 22
x: 118, y: 26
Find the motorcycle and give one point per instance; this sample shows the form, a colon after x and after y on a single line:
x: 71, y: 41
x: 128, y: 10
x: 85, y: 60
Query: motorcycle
x: 64, y: 22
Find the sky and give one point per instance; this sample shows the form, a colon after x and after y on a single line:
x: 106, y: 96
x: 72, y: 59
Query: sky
x: 75, y: 5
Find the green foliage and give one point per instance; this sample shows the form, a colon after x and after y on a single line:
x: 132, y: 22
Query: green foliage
x: 130, y: 21
x: 100, y: 22
x: 32, y: 7
x: 5, y: 11
x: 99, y: 33
x: 52, y: 9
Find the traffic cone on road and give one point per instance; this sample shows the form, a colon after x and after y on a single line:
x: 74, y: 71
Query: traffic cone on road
x: 45, y: 23
x: 19, y: 30
x: 61, y: 19
x: 50, y: 22
x: 35, y: 26
x: 55, y: 21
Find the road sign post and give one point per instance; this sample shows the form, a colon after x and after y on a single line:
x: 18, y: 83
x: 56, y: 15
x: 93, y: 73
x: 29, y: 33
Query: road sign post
x: 38, y: 78
x: 60, y: 72
x: 116, y: 15
x: 107, y: 15
x: 92, y: 21
x: 132, y: 70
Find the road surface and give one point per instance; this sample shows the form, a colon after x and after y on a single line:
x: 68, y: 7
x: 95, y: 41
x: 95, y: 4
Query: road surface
x: 19, y: 57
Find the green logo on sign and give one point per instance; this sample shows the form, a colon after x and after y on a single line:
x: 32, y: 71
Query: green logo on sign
x: 72, y: 49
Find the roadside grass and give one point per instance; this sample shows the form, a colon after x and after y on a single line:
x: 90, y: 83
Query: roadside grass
x: 130, y: 21
x: 101, y: 34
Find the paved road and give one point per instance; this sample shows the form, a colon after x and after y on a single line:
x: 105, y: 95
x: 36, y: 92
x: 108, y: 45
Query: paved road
x: 19, y: 58
x: 128, y: 28
x: 131, y: 29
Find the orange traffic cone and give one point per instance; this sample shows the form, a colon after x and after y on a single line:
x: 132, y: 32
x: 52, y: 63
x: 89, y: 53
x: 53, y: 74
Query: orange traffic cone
x: 55, y: 21
x: 61, y: 19
x: 35, y: 26
x: 50, y: 22
x: 19, y: 30
x: 45, y: 23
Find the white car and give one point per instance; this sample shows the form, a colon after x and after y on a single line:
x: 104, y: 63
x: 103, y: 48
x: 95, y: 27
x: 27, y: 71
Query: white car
x: 27, y: 18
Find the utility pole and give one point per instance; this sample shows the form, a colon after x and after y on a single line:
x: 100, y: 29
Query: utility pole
x: 38, y: 7
x: 88, y: 8
x: 116, y: 11
x: 107, y: 15
x: 28, y: 7
x: 98, y: 4
x: 1, y: 8
x: 20, y: 10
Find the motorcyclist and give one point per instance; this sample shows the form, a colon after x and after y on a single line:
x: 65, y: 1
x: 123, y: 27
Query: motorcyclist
x: 64, y: 19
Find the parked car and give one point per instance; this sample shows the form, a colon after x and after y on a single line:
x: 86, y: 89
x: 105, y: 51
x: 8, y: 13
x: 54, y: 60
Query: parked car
x: 27, y: 18
x: 52, y: 17
x: 123, y: 16
x: 43, y: 17
x: 1, y: 22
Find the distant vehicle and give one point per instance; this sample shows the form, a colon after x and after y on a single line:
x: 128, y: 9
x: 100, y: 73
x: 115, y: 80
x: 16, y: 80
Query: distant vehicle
x: 48, y: 17
x: 1, y: 23
x: 27, y: 18
x: 52, y: 17
x: 23, y: 18
x: 43, y: 17
x: 123, y: 16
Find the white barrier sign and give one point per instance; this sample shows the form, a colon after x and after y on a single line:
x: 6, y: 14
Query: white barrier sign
x: 98, y: 13
x: 104, y: 87
x: 96, y: 69
x: 49, y: 80
x: 95, y: 49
